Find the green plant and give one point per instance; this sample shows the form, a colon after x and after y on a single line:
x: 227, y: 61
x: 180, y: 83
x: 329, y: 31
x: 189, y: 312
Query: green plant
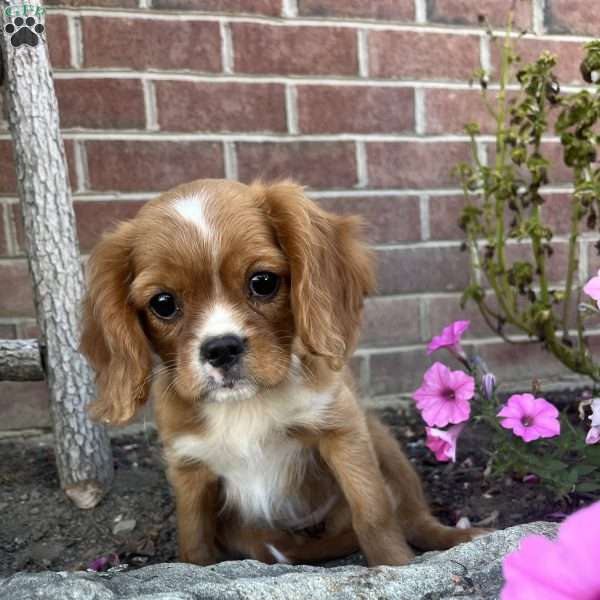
x: 505, y: 198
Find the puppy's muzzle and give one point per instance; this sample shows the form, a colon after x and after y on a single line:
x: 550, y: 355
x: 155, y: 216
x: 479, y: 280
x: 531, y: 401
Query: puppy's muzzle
x: 223, y: 352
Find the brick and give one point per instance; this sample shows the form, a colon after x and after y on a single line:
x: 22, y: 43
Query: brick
x: 398, y: 372
x: 98, y: 103
x: 448, y: 111
x: 410, y: 270
x: 151, y: 44
x: 414, y: 55
x: 315, y: 164
x: 572, y: 16
x: 388, y: 219
x: 8, y: 177
x: 556, y: 265
x: 8, y: 331
x: 569, y: 56
x: 188, y: 106
x: 28, y: 328
x: 355, y: 109
x: 533, y: 363
x: 253, y: 7
x: 390, y: 322
x: 396, y: 10
x: 93, y: 218
x: 16, y: 299
x: 558, y: 172
x: 446, y: 309
x: 294, y: 50
x: 24, y: 405
x: 495, y: 12
x: 444, y: 212
x: 94, y: 3
x: 415, y: 164
x: 5, y: 214
x: 57, y: 37
x: 556, y: 213
x: 359, y: 374
x: 3, y: 115
x: 151, y: 166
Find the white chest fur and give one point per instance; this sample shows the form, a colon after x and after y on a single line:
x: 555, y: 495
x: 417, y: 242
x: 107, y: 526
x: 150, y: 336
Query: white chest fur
x: 246, y: 443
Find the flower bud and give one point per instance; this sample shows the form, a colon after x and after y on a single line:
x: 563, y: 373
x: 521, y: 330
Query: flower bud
x: 489, y: 385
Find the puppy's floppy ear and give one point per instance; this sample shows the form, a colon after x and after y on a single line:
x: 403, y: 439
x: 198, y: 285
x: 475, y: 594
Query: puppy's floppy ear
x: 331, y: 270
x: 112, y: 336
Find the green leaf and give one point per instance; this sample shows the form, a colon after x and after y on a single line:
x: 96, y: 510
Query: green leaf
x: 588, y: 487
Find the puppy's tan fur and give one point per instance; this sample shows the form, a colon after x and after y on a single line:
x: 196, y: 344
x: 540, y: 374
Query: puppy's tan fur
x: 285, y: 466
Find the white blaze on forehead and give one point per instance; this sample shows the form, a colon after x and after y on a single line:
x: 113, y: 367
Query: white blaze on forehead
x: 193, y: 209
x: 221, y: 320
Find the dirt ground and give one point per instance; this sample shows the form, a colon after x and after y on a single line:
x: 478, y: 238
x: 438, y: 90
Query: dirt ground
x: 40, y: 529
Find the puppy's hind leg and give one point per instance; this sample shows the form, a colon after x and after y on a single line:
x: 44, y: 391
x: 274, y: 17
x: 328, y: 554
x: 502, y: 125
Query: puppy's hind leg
x: 420, y: 527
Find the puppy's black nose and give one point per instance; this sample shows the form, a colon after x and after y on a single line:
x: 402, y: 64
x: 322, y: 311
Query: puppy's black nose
x: 223, y: 351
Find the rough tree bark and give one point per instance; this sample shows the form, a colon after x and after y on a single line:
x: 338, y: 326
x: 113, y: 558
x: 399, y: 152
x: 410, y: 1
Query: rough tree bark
x: 20, y: 360
x: 82, y: 448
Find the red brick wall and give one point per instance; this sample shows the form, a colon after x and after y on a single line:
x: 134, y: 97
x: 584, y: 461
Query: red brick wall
x: 361, y: 100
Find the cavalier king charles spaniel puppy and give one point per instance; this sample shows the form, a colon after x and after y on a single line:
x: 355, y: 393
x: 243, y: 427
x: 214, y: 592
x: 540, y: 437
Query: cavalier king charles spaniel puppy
x: 240, y: 307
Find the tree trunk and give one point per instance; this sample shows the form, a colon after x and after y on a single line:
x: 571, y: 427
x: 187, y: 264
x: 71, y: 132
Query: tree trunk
x: 20, y: 360
x: 83, y: 453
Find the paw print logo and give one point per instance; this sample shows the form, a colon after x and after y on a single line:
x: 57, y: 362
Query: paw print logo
x: 24, y: 31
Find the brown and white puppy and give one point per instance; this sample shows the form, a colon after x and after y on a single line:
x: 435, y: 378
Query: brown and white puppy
x: 251, y: 298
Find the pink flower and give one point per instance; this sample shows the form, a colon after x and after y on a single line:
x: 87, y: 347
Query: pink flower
x: 593, y: 436
x: 592, y: 288
x: 566, y: 569
x: 530, y: 418
x: 443, y: 443
x: 449, y: 338
x: 595, y: 416
x: 444, y: 396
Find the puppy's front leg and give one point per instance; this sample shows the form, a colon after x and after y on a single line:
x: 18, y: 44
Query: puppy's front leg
x: 349, y: 454
x: 196, y: 505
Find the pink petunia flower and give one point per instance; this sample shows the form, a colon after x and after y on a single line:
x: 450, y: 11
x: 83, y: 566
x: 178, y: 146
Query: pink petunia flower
x: 444, y: 396
x: 566, y: 569
x: 530, y: 418
x: 449, y: 338
x: 443, y: 443
x: 593, y: 436
x: 595, y: 416
x: 592, y: 288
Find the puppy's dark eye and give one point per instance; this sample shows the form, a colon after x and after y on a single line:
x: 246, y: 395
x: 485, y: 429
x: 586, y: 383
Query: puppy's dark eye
x: 163, y: 305
x: 264, y: 284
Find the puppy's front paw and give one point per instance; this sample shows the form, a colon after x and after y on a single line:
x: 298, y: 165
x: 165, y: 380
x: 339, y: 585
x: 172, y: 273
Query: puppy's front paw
x: 470, y: 533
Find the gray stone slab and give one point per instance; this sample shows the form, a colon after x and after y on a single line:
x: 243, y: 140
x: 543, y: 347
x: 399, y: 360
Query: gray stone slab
x: 472, y: 570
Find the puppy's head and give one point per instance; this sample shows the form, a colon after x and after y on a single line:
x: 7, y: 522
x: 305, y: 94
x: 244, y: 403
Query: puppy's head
x: 224, y: 282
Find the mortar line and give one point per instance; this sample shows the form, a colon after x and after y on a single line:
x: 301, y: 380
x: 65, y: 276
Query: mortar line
x: 421, y: 11
x: 362, y: 44
x: 420, y: 112
x: 230, y: 159
x: 291, y: 108
x: 289, y: 8
x: 362, y: 171
x: 150, y: 107
x: 424, y: 214
x: 76, y: 48
x: 227, y: 54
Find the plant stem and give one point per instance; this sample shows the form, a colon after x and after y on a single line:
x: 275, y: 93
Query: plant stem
x: 573, y: 259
